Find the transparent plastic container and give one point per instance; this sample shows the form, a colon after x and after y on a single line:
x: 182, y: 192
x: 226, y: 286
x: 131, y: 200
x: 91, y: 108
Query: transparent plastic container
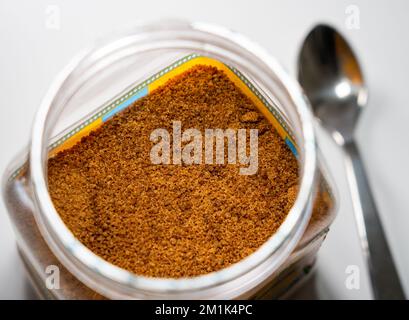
x: 98, y: 75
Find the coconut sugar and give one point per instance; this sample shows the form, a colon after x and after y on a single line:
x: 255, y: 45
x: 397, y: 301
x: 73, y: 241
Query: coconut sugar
x: 174, y: 220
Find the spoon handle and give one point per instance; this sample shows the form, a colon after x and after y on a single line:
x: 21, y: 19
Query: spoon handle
x: 382, y: 270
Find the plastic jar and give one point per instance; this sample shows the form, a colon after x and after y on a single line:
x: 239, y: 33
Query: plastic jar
x: 91, y: 80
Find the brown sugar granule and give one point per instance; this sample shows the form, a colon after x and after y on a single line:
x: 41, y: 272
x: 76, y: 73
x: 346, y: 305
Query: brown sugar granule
x: 174, y: 220
x: 251, y: 116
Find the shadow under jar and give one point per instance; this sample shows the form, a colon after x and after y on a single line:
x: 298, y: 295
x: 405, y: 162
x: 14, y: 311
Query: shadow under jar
x: 86, y: 84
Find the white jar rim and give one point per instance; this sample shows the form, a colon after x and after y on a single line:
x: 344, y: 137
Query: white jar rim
x: 114, y: 282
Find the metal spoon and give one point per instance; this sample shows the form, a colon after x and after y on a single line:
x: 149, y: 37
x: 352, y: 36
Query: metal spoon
x: 331, y: 77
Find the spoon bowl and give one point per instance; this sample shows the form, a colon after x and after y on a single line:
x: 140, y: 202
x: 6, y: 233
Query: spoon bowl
x: 333, y: 81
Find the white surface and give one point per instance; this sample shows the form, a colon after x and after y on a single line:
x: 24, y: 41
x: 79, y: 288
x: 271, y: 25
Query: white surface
x: 31, y: 55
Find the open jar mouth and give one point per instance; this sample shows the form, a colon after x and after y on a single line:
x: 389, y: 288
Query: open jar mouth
x: 208, y: 40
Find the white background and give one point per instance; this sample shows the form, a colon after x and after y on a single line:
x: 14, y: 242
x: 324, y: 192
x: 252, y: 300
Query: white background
x: 31, y: 55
